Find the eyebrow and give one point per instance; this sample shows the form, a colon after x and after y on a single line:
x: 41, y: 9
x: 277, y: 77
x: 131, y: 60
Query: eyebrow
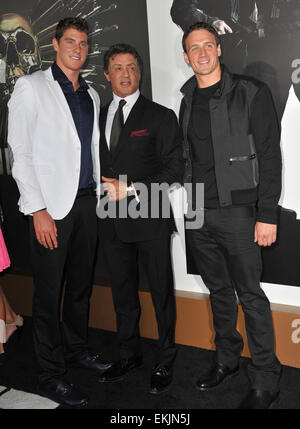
x: 205, y: 42
x: 130, y: 64
x: 74, y: 40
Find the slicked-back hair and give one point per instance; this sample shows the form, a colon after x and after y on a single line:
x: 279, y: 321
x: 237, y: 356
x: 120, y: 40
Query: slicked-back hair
x: 122, y: 48
x: 64, y: 24
x: 199, y: 26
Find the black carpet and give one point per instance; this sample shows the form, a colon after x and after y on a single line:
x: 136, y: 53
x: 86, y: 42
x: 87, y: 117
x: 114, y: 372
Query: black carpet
x: 19, y: 372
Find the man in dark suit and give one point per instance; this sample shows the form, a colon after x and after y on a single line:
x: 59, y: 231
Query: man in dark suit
x: 146, y: 150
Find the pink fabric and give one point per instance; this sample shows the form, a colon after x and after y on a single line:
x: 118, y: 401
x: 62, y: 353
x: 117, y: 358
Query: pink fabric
x: 4, y: 258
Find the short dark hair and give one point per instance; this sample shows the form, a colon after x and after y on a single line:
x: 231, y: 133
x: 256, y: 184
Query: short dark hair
x: 200, y: 26
x: 79, y: 24
x: 121, y: 48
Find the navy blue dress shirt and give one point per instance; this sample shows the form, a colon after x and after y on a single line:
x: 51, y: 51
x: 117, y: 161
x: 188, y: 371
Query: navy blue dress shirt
x: 82, y: 109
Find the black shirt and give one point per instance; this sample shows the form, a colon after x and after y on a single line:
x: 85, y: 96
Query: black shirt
x: 82, y: 109
x: 199, y: 135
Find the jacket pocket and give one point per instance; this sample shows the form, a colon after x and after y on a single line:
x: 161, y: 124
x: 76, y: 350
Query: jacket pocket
x: 243, y: 163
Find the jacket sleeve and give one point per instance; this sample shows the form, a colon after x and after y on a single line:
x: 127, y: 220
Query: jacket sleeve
x: 169, y: 151
x: 186, y: 12
x: 22, y: 117
x: 266, y: 133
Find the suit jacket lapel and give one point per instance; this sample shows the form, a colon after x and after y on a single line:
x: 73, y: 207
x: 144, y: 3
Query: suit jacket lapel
x: 60, y: 99
x: 133, y: 118
x: 102, y: 124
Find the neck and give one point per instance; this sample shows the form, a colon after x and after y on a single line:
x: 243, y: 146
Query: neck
x: 72, y: 75
x: 210, y: 79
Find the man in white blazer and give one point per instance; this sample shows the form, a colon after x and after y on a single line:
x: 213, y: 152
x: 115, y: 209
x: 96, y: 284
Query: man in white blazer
x: 54, y: 137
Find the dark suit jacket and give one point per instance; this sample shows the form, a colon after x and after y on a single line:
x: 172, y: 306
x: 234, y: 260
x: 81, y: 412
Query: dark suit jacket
x: 149, y: 151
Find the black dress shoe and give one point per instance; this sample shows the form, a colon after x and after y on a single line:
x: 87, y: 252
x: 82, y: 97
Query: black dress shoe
x: 216, y: 376
x: 161, y: 377
x: 258, y: 399
x: 63, y: 393
x: 119, y: 369
x: 91, y: 361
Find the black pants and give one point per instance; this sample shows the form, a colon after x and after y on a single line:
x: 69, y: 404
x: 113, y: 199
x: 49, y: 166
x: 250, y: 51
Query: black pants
x: 123, y: 266
x: 229, y: 262
x: 72, y: 261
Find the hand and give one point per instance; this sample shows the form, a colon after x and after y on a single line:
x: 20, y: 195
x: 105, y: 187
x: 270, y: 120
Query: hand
x: 45, y: 229
x: 265, y: 233
x: 115, y: 189
x: 221, y: 27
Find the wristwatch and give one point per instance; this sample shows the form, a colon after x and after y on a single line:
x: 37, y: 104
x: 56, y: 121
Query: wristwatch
x: 130, y: 191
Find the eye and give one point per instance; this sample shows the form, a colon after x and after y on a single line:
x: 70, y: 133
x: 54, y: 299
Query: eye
x: 25, y: 43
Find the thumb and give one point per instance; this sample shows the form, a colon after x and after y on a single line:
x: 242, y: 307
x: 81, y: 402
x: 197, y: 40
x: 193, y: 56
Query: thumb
x: 107, y: 179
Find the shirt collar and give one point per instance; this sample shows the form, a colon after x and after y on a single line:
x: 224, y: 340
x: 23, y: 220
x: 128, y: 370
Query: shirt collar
x: 130, y: 99
x: 62, y: 79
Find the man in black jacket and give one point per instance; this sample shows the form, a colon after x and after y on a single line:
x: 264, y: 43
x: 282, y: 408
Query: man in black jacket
x: 231, y: 144
x: 137, y: 156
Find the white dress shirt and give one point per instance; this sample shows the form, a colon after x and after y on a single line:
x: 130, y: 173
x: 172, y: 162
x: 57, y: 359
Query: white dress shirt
x: 130, y: 102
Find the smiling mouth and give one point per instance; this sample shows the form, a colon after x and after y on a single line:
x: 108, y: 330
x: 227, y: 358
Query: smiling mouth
x: 75, y: 58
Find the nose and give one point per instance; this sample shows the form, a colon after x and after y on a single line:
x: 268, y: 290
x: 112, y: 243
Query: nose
x: 202, y: 51
x: 77, y: 48
x: 125, y: 72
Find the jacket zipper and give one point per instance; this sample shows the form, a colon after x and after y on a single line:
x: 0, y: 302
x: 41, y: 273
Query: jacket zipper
x: 242, y: 158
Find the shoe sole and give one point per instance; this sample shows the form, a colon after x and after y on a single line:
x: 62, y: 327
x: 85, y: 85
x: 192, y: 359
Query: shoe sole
x: 83, y: 404
x: 203, y: 389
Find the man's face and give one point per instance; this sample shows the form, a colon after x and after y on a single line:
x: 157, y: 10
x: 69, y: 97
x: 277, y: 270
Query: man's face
x: 123, y: 74
x: 202, y: 52
x: 71, y: 50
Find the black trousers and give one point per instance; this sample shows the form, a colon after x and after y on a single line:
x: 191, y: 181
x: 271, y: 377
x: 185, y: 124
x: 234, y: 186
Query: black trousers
x: 229, y: 263
x: 72, y: 261
x: 123, y: 267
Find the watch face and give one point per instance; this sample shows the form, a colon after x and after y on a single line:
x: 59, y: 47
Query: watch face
x: 130, y: 191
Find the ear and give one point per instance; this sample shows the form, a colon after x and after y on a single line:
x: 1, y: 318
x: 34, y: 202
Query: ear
x: 106, y: 74
x: 186, y: 58
x: 55, y: 44
x: 219, y: 50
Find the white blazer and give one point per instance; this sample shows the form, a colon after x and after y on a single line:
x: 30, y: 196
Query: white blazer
x: 45, y: 145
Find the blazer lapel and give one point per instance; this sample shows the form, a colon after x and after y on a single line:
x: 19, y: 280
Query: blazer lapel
x: 102, y: 124
x: 60, y: 99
